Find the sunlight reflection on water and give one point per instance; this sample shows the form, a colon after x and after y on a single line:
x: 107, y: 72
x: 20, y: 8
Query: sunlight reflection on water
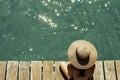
x: 45, y: 27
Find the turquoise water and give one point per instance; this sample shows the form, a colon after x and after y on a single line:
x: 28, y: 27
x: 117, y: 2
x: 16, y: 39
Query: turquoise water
x: 44, y: 29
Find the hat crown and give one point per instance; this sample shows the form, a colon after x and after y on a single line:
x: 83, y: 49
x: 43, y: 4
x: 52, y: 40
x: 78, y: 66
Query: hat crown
x: 83, y: 52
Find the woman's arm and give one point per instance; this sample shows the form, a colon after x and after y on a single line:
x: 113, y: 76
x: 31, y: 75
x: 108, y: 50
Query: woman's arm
x: 64, y: 70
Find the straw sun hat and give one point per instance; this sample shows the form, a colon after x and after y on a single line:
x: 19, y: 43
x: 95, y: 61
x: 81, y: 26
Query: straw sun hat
x: 82, y: 54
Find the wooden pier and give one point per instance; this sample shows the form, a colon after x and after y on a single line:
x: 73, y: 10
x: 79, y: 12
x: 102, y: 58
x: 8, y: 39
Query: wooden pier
x: 49, y: 70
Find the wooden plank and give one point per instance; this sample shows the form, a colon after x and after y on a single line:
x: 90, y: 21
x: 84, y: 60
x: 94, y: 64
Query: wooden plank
x: 24, y: 70
x: 98, y: 73
x: 48, y: 70
x: 109, y: 70
x: 36, y: 70
x: 58, y: 75
x: 2, y: 70
x: 12, y: 69
x: 118, y: 69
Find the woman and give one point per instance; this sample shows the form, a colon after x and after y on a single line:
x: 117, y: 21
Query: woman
x: 82, y: 55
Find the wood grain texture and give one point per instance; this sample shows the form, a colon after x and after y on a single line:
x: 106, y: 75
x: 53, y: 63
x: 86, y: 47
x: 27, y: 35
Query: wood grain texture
x: 24, y: 70
x: 36, y: 67
x: 109, y: 70
x: 2, y: 70
x: 118, y: 69
x: 48, y: 70
x: 12, y: 69
x: 98, y: 73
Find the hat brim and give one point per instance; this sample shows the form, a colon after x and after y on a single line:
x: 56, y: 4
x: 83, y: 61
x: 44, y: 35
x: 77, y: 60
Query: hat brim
x: 72, y: 54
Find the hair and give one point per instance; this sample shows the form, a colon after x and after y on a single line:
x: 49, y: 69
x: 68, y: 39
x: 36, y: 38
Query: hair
x: 82, y: 72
